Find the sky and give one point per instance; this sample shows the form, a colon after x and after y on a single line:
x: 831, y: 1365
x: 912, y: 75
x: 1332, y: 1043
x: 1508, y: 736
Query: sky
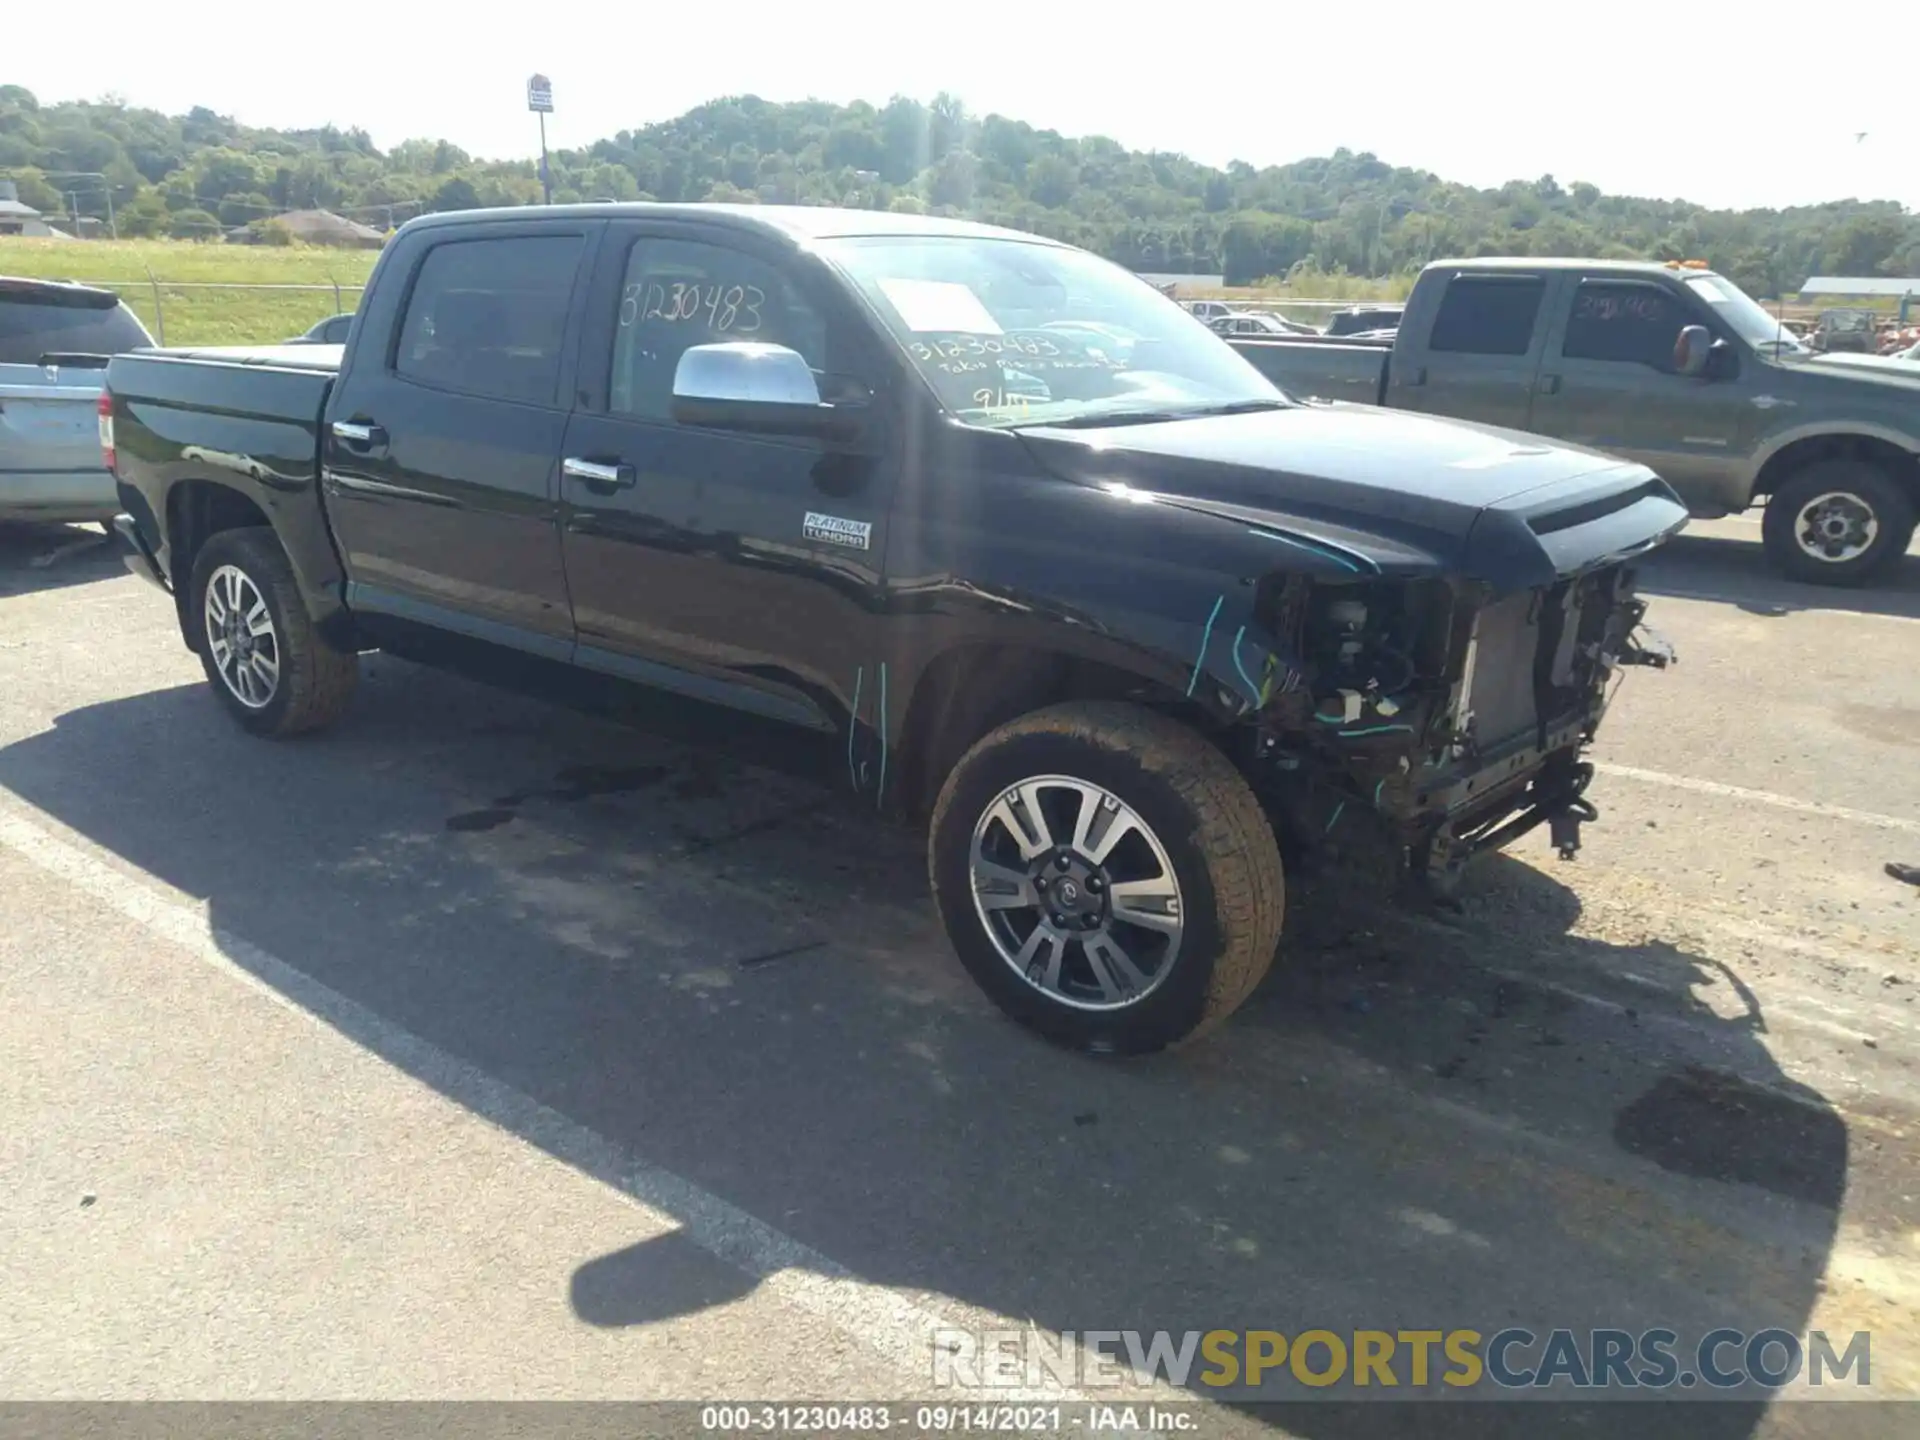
x: 1687, y: 101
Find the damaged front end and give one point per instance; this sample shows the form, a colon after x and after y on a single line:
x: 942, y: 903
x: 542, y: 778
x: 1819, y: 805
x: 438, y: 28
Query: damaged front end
x: 1457, y: 717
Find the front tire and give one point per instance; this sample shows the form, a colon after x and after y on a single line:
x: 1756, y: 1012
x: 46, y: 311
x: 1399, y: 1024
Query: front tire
x: 266, y: 662
x: 1838, y: 522
x: 1107, y: 877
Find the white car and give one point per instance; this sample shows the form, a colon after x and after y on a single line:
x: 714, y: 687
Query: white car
x: 55, y: 338
x: 1259, y: 325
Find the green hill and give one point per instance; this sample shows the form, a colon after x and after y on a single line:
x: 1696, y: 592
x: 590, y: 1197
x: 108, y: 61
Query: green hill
x: 189, y: 175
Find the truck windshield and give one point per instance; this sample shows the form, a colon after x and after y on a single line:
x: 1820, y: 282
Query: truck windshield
x: 1742, y: 314
x: 1009, y: 332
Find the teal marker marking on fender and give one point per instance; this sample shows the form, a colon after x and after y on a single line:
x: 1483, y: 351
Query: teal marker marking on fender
x: 1205, y: 637
x: 1252, y: 689
x: 1325, y: 552
x: 853, y: 725
x: 880, y: 791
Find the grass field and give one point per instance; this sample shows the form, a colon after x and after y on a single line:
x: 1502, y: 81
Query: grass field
x: 161, y: 280
x: 190, y: 315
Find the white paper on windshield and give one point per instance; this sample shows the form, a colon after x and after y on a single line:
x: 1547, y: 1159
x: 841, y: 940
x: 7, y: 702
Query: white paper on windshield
x: 939, y: 305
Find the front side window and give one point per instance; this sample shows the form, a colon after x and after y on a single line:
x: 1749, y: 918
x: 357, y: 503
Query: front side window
x: 1625, y: 323
x: 1488, y: 315
x: 487, y: 317
x: 1010, y: 332
x: 680, y: 293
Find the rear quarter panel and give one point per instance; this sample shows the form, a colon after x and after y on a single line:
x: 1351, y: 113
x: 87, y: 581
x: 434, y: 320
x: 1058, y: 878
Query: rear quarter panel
x: 252, y: 429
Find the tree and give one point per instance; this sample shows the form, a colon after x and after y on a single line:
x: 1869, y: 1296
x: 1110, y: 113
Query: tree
x: 244, y: 209
x: 193, y: 225
x: 35, y: 191
x: 456, y: 194
x: 224, y: 172
x: 1052, y: 181
x: 1348, y: 211
x: 951, y: 182
x: 1864, y: 244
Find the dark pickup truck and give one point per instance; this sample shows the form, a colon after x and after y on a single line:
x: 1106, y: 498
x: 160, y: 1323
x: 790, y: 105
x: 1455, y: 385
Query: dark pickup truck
x: 1667, y: 364
x: 1024, y: 549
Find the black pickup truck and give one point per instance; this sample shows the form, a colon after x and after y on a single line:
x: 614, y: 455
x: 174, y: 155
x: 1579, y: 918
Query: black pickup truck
x: 1031, y: 554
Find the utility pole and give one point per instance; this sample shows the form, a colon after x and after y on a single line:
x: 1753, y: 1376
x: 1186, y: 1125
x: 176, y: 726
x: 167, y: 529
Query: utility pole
x: 540, y: 101
x: 73, y: 202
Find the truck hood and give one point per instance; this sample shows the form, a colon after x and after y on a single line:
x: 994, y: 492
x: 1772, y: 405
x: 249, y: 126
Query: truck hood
x: 1895, y: 375
x: 1388, y: 491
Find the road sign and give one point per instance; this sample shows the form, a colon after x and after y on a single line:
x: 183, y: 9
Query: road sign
x: 540, y: 94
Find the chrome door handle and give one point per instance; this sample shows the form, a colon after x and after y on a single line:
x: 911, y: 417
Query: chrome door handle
x: 598, y: 474
x: 1549, y: 384
x: 355, y: 433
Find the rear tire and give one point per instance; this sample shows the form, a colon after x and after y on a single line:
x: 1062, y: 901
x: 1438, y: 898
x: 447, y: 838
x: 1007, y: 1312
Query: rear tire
x: 263, y: 657
x: 1158, y: 798
x: 1838, y: 522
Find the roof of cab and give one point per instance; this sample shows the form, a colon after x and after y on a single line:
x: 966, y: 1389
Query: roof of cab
x: 1536, y: 263
x: 798, y: 223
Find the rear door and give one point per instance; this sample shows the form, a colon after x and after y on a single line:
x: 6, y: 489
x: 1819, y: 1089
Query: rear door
x: 739, y: 569
x: 1609, y: 382
x: 1478, y: 358
x: 441, y: 455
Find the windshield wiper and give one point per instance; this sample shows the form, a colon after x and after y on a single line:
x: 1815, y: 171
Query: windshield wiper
x: 1155, y: 417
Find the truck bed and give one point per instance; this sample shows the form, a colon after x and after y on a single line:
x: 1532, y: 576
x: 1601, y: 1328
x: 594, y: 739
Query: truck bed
x: 245, y: 418
x: 1353, y: 370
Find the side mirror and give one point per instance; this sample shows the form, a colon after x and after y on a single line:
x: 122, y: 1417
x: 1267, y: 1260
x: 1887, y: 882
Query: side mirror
x: 1691, y: 350
x: 760, y: 390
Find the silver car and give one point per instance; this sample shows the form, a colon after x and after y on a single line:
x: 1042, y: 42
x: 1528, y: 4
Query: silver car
x: 55, y: 338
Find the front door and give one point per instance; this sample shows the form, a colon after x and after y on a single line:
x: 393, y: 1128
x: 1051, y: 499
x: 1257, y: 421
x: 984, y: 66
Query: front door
x: 1608, y: 381
x: 441, y: 454
x: 739, y: 569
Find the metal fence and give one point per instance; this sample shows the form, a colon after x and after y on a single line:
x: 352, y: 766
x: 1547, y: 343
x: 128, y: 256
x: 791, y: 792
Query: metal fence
x: 204, y: 312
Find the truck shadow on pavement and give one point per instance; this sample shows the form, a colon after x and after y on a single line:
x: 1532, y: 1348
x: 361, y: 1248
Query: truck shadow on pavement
x: 1473, y: 1121
x: 1734, y: 571
x: 48, y: 557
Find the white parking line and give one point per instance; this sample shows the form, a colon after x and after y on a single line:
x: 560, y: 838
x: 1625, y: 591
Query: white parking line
x: 892, y: 1326
x: 1760, y: 797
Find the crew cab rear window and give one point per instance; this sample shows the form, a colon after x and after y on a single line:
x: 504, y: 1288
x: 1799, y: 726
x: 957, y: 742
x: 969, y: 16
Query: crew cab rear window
x: 1628, y: 323
x: 487, y: 317
x: 1488, y: 315
x: 32, y: 328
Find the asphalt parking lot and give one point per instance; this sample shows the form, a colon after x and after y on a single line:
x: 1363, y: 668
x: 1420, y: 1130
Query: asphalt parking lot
x: 481, y: 1048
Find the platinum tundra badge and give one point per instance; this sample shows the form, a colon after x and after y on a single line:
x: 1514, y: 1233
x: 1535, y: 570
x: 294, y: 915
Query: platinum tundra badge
x: 856, y: 534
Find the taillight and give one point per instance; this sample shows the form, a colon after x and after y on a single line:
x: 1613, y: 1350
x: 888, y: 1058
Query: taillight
x: 105, y: 409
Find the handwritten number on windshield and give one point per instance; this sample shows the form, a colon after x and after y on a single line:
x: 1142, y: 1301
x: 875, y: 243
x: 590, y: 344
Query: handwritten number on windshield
x: 974, y: 345
x: 726, y: 309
